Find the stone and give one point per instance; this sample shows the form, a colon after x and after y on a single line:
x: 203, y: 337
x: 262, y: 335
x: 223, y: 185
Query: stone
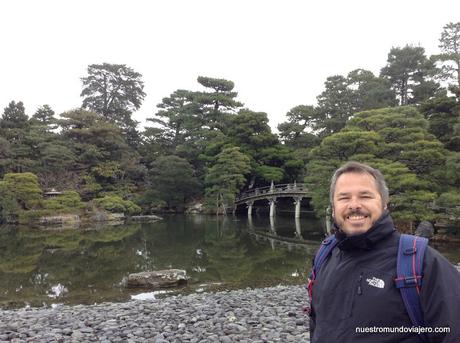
x: 259, y: 315
x: 86, y: 330
x: 139, y: 332
x: 195, y: 208
x: 77, y: 335
x: 299, y: 322
x: 157, y: 279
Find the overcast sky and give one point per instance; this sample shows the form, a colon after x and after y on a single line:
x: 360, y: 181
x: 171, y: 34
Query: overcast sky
x: 278, y: 53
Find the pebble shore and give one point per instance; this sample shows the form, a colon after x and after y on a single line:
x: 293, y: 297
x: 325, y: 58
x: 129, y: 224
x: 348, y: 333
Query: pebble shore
x: 274, y: 314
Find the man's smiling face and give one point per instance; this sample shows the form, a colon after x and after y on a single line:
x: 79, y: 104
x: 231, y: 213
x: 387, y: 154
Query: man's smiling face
x: 357, y: 203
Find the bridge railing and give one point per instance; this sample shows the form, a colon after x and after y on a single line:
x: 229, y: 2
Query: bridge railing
x: 277, y: 189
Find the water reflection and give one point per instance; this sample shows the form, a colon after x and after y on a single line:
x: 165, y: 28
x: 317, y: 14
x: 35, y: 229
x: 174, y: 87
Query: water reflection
x: 250, y: 224
x: 298, y: 228
x: 272, y: 225
x: 87, y: 266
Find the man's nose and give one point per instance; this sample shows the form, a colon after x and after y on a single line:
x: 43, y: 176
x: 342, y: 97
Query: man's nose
x: 354, y: 203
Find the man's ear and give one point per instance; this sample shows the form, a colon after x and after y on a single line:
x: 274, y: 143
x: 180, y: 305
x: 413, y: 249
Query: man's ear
x: 385, y: 207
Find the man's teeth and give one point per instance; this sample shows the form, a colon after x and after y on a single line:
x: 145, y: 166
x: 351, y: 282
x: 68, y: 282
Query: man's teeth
x: 356, y: 217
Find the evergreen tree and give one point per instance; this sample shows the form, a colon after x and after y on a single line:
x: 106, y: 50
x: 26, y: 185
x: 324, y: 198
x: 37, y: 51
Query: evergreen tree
x: 44, y: 116
x: 14, y: 116
x: 219, y: 103
x: 296, y: 132
x: 172, y: 180
x: 226, y: 177
x: 179, y: 119
x: 449, y: 43
x: 443, y: 115
x: 15, y: 128
x: 396, y: 141
x: 115, y: 91
x: 410, y: 72
x: 370, y: 92
x: 335, y: 106
x: 343, y: 96
x: 101, y: 151
x: 18, y: 192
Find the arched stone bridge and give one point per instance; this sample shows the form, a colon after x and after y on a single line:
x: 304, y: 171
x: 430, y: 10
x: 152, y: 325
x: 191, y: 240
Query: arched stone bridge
x: 271, y: 193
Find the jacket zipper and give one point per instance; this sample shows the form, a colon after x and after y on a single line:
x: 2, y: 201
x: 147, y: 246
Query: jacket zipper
x: 360, y: 289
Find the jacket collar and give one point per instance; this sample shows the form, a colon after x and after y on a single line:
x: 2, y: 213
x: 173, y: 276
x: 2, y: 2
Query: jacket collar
x: 382, y: 228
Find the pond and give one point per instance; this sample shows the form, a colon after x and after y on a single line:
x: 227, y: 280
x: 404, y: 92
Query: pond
x: 43, y: 267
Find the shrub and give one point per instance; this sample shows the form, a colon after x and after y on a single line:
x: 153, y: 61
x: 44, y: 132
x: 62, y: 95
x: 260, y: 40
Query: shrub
x: 69, y: 201
x: 114, y: 203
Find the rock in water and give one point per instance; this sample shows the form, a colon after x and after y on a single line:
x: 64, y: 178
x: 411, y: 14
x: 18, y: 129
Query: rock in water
x: 157, y: 279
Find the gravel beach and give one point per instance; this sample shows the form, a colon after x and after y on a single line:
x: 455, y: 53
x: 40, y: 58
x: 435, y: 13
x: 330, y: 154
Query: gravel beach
x: 272, y: 314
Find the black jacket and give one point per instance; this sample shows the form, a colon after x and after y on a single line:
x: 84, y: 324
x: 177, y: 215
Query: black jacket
x: 355, y: 288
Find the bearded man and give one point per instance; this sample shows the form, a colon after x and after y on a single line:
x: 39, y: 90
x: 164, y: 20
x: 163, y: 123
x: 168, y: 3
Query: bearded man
x: 353, y: 295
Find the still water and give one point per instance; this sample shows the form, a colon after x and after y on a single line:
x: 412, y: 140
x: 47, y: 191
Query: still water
x: 43, y: 267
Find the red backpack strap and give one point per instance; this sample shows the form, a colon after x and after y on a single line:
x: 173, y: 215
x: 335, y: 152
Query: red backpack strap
x: 409, y: 271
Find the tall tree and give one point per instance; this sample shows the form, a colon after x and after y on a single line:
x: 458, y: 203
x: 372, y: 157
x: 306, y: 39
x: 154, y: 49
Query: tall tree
x: 114, y: 91
x: 44, y: 116
x: 296, y: 132
x: 270, y: 160
x: 370, y: 92
x: 409, y: 71
x: 218, y: 103
x: 449, y: 43
x: 14, y: 116
x: 343, y: 96
x: 250, y: 131
x: 101, y: 150
x: 173, y: 181
x: 93, y: 138
x: 335, y: 105
x: 226, y: 177
x: 443, y: 115
x: 177, y: 120
x: 15, y: 128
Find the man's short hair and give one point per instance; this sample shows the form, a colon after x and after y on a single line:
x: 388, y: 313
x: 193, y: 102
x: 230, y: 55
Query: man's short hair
x: 360, y: 168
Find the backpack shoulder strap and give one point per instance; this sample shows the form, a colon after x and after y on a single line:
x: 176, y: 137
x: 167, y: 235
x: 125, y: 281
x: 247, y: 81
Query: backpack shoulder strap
x: 325, y: 249
x: 409, y: 271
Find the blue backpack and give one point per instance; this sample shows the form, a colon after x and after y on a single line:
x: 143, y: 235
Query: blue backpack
x: 409, y: 269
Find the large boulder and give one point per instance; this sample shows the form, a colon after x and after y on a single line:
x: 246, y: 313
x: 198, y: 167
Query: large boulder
x: 425, y: 229
x: 195, y: 208
x: 157, y: 279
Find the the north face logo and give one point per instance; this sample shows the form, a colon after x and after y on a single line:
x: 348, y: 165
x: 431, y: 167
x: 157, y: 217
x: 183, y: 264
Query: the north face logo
x: 374, y: 282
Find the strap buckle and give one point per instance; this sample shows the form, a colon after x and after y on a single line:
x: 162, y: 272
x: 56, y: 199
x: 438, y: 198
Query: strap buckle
x: 408, y: 281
